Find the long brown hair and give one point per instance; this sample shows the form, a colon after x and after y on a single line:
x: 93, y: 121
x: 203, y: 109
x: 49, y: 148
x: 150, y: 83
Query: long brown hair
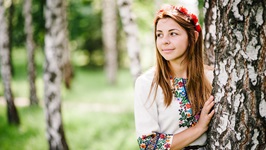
x: 198, y: 87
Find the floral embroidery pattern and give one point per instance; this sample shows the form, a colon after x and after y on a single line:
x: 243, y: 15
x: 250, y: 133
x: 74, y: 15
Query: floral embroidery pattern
x: 185, y: 111
x: 155, y: 141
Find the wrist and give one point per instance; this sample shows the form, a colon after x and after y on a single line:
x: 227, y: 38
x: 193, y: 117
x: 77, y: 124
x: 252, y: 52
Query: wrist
x: 200, y: 129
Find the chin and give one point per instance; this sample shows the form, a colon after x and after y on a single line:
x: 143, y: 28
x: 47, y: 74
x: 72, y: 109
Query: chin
x: 168, y: 58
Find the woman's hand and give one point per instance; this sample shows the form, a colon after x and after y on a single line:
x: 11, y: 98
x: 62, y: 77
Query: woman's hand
x: 206, y: 114
x: 186, y: 137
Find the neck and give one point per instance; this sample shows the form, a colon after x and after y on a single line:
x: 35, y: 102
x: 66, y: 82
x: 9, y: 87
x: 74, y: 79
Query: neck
x: 178, y: 70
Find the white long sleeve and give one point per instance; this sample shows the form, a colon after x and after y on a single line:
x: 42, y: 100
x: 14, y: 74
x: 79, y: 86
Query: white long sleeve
x: 152, y: 116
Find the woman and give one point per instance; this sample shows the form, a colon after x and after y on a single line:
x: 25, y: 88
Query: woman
x: 173, y: 99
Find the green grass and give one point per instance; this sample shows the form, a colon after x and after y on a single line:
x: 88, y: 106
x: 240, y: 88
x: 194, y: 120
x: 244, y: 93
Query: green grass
x: 94, y: 88
x: 96, y: 116
x: 29, y: 135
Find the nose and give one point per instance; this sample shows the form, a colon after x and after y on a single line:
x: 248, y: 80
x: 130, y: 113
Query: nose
x: 166, y: 40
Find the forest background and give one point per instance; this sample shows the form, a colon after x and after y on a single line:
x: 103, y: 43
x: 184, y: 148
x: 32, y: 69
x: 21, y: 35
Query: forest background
x: 96, y: 115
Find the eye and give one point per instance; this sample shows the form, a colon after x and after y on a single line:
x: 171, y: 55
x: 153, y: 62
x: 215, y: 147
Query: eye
x: 159, y: 35
x: 173, y: 34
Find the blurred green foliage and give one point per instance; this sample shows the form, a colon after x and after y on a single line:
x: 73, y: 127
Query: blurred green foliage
x: 84, y: 24
x: 95, y: 114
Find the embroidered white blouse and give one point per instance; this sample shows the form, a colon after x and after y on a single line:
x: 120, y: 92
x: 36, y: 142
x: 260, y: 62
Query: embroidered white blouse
x: 155, y: 123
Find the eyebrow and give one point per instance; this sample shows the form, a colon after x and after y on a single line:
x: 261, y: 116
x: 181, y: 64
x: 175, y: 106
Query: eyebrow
x: 168, y: 30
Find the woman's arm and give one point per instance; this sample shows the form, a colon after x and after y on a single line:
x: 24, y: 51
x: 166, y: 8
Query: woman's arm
x: 184, y: 138
x: 146, y: 117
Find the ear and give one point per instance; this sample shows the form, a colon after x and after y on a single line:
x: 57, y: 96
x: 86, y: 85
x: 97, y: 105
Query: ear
x: 196, y: 36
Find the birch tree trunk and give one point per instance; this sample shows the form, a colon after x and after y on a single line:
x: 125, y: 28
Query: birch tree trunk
x: 30, y: 44
x: 109, y: 30
x: 12, y: 113
x: 54, y: 51
x: 66, y: 65
x: 10, y: 30
x: 210, y: 10
x: 239, y: 82
x: 131, y: 29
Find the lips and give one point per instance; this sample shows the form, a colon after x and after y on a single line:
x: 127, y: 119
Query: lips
x: 167, y: 50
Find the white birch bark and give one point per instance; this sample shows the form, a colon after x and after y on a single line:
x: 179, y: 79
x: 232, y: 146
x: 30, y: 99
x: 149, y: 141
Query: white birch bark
x: 5, y: 67
x: 30, y: 44
x: 210, y: 11
x: 109, y: 30
x: 54, y: 51
x: 131, y: 29
x: 239, y: 82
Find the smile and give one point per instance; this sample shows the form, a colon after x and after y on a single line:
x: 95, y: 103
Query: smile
x: 167, y: 50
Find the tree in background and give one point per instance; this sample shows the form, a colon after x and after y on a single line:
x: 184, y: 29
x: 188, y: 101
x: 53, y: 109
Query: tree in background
x: 10, y: 17
x: 210, y: 30
x: 12, y: 113
x: 109, y: 36
x: 30, y: 44
x: 131, y: 29
x: 67, y: 69
x: 55, y: 48
x: 239, y: 76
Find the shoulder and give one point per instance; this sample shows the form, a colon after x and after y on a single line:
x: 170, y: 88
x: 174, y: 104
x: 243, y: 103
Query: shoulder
x: 142, y: 87
x: 208, y: 71
x: 146, y: 77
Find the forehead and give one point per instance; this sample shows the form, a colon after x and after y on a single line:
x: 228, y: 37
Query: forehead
x: 168, y: 24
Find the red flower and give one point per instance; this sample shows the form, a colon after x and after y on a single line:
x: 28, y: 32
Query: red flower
x: 197, y: 27
x: 194, y: 18
x: 143, y: 137
x: 188, y: 105
x: 162, y: 136
x: 167, y: 145
x: 180, y: 84
x: 183, y: 10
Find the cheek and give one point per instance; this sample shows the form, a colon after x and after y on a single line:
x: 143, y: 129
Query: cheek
x: 184, y: 42
x: 157, y: 43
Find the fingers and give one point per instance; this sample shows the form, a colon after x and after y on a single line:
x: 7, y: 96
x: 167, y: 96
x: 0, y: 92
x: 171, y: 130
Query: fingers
x: 208, y: 105
x: 211, y: 114
x: 206, y: 113
x: 209, y: 100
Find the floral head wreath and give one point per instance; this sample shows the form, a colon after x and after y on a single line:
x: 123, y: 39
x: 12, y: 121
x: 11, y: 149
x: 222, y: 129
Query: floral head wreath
x: 174, y: 10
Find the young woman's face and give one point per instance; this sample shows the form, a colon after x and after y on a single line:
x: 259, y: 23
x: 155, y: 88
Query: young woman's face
x: 172, y: 40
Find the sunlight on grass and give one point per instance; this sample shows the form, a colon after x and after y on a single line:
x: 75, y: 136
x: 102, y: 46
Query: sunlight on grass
x: 100, y: 131
x: 96, y: 115
x: 29, y: 135
x: 92, y: 87
x: 84, y: 130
